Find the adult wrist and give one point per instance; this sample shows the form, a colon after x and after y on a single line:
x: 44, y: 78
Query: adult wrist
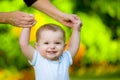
x: 58, y: 15
x: 3, y: 17
x: 7, y: 17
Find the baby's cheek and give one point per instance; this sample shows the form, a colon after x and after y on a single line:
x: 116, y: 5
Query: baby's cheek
x: 42, y: 50
x: 43, y: 53
x: 60, y: 48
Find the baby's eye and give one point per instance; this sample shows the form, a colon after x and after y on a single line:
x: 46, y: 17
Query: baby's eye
x: 57, y: 43
x: 46, y: 43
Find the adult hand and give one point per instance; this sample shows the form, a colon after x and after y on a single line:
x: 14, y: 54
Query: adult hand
x: 68, y: 19
x: 20, y: 19
x: 78, y: 25
x: 49, y: 9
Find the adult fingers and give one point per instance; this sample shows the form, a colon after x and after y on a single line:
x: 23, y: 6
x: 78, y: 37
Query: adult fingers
x: 27, y: 22
x: 25, y: 26
x: 78, y: 20
x: 74, y: 18
x: 29, y: 19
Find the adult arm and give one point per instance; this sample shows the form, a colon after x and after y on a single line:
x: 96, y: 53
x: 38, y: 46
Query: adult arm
x: 26, y: 48
x: 16, y: 18
x: 46, y: 7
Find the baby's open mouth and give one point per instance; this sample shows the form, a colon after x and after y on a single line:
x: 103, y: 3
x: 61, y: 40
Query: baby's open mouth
x: 52, y: 52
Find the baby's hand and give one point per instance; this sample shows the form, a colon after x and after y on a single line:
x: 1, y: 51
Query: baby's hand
x: 77, y: 25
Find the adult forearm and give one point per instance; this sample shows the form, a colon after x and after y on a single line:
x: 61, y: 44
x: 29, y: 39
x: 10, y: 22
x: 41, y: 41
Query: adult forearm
x: 3, y: 16
x: 49, y: 9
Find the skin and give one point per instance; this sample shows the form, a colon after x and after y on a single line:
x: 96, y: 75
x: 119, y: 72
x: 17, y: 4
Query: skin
x: 21, y: 19
x: 51, y: 47
x: 46, y: 7
x: 17, y: 18
x: 28, y: 50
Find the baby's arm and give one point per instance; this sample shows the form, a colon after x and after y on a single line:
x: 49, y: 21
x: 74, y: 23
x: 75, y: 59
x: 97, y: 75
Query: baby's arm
x: 26, y: 48
x: 75, y: 39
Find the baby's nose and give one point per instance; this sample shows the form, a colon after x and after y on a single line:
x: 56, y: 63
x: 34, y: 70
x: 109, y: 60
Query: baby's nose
x: 52, y: 46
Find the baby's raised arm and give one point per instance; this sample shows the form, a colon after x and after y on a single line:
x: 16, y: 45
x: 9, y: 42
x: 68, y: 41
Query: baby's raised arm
x: 26, y: 48
x: 74, y: 44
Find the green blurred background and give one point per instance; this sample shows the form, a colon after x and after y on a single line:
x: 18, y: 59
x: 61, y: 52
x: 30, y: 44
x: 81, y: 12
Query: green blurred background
x: 98, y: 57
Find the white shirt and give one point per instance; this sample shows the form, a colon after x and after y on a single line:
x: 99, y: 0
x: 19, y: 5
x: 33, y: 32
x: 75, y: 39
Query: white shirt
x: 51, y: 70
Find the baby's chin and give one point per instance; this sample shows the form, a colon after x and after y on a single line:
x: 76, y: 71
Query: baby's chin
x: 53, y: 58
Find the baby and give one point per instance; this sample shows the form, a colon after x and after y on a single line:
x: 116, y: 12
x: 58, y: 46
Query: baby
x: 48, y: 58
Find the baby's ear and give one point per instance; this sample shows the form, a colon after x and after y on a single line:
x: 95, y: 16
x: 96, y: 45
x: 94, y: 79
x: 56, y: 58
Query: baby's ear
x: 36, y: 45
x: 65, y: 46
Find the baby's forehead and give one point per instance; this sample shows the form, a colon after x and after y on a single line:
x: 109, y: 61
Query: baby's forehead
x: 50, y: 31
x: 48, y: 34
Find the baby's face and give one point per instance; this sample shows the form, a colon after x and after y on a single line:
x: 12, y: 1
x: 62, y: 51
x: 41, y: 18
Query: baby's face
x: 51, y: 44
